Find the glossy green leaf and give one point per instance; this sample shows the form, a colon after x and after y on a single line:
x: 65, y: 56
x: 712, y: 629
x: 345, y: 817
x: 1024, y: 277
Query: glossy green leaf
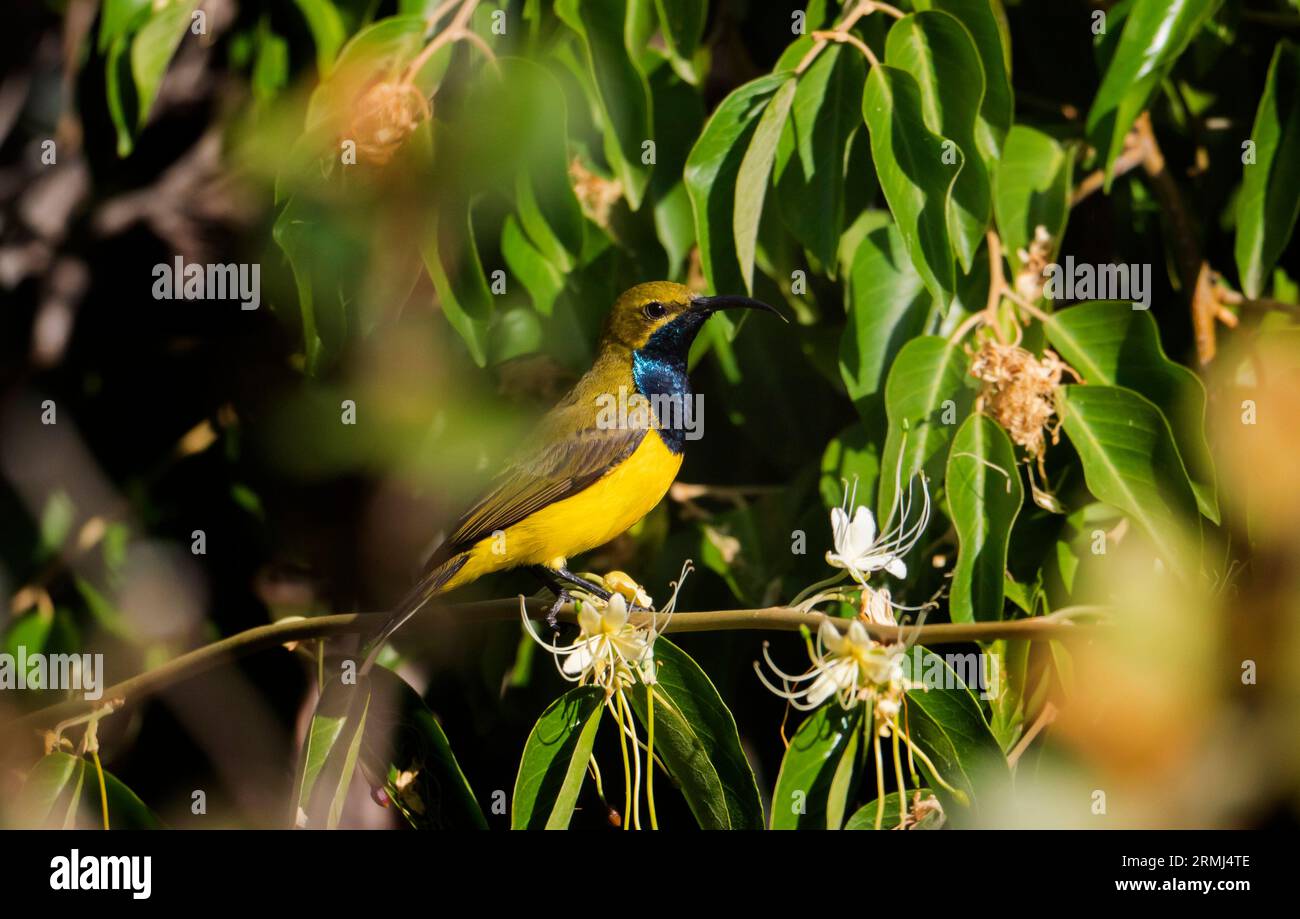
x: 910, y: 166
x: 695, y: 736
x: 888, y: 306
x: 120, y: 17
x: 1129, y: 459
x: 1155, y: 33
x: 946, y: 722
x: 754, y: 177
x: 406, y: 749
x: 939, y: 53
x: 819, y: 770
x: 984, y: 498
x: 986, y: 21
x: 1270, y: 188
x: 329, y: 754
x: 864, y: 818
x: 926, y: 397
x: 531, y: 268
x: 1032, y: 189
x: 555, y: 760
x: 810, y: 160
x: 621, y: 88
x: 125, y: 809
x: 852, y: 456
x: 1113, y: 344
x: 711, y: 172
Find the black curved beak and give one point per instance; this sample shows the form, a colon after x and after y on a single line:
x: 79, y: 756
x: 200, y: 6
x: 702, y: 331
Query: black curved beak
x: 710, y: 305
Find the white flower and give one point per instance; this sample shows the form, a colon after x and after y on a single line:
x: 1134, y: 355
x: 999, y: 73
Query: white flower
x: 850, y: 666
x: 861, y: 551
x: 611, y: 650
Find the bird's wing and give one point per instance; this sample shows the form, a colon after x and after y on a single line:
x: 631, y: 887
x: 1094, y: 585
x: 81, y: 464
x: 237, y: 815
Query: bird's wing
x: 558, y: 469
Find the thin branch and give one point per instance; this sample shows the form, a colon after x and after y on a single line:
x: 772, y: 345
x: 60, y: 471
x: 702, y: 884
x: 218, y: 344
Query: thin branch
x: 782, y: 619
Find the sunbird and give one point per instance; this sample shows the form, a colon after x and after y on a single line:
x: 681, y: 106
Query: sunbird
x: 582, y: 480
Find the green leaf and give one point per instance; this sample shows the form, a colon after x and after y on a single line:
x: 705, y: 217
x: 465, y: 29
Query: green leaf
x: 711, y: 171
x: 151, y: 50
x: 1113, y: 344
x: 917, y: 184
x: 810, y: 160
x: 818, y: 770
x: 864, y: 818
x: 926, y: 396
x: 1270, y: 189
x: 1129, y: 459
x: 852, y: 456
x: 51, y: 793
x: 534, y: 271
x: 120, y: 17
x: 555, y: 760
x: 451, y: 258
x: 755, y: 175
x: 327, y: 30
x: 621, y: 88
x: 984, y: 497
x: 986, y: 21
x: 946, y: 722
x: 682, y: 23
x: 888, y: 306
x: 406, y: 748
x: 1155, y: 33
x: 938, y: 51
x: 695, y: 736
x: 329, y: 754
x: 1032, y: 189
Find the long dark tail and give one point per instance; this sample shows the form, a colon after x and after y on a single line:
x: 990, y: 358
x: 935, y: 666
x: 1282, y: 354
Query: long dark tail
x: 428, y: 587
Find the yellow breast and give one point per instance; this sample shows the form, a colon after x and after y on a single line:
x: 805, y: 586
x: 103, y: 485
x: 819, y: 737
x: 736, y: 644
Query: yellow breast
x: 590, y: 518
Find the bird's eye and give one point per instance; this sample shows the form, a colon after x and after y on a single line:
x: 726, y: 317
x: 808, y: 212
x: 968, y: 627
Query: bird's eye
x: 655, y: 310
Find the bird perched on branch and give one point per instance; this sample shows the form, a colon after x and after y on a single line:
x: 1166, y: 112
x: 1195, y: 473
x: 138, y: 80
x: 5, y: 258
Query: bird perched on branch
x: 597, y: 463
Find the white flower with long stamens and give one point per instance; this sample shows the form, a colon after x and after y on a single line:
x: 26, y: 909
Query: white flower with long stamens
x: 611, y: 650
x: 850, y: 666
x: 860, y: 550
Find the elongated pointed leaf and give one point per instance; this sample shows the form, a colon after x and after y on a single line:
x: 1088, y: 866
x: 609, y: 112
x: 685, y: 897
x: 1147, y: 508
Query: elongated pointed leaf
x: 910, y: 166
x: 142, y: 58
x: 1129, y: 459
x: 984, y: 498
x: 926, y: 396
x: 621, y: 88
x: 1032, y: 190
x: 1113, y: 344
x: 682, y: 23
x: 125, y: 809
x: 555, y: 760
x: 329, y: 754
x: 1155, y: 33
x: 755, y: 175
x: 406, y: 748
x: 939, y: 53
x: 1270, y: 188
x: 711, y: 172
x: 818, y: 770
x: 810, y: 161
x: 695, y: 736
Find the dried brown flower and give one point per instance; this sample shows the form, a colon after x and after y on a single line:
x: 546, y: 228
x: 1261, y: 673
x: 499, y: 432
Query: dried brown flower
x: 384, y: 117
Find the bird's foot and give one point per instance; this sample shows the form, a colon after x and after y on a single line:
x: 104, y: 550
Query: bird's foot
x: 553, y: 614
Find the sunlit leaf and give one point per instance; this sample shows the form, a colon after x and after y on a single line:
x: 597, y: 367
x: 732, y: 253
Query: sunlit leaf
x: 555, y: 760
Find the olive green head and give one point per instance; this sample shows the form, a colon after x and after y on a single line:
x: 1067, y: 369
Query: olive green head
x: 664, y: 316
